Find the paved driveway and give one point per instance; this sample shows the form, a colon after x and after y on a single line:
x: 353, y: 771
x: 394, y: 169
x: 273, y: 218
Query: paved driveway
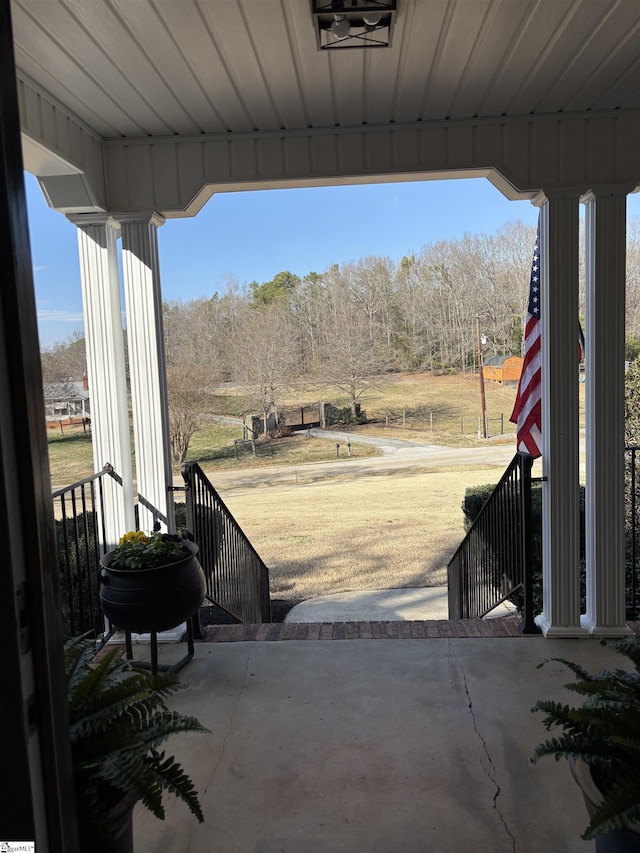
x: 397, y: 455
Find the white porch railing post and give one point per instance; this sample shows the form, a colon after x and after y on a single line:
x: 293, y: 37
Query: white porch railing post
x: 106, y: 375
x: 560, y: 453
x: 604, y: 368
x: 147, y: 369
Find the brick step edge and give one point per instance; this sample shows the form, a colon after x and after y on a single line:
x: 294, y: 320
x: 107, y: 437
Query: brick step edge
x: 411, y: 630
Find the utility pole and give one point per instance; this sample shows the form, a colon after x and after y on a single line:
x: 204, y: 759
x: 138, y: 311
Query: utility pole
x: 483, y: 401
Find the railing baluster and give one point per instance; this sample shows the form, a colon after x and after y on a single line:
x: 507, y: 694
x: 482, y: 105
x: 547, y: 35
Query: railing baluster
x: 237, y: 579
x: 493, y: 546
x: 499, y: 544
x: 632, y: 522
x: 76, y: 510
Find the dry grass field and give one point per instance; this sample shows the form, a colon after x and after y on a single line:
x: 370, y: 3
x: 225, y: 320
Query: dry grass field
x: 441, y: 409
x: 407, y: 400
x: 373, y: 531
x: 395, y: 529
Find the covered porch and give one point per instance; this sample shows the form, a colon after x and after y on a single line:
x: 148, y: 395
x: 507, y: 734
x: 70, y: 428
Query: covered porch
x: 389, y: 745
x: 131, y: 114
x: 559, y: 138
x: 181, y: 107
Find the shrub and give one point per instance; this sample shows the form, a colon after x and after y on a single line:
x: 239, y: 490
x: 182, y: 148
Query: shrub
x: 280, y: 431
x: 181, y: 516
x: 345, y: 416
x: 78, y: 568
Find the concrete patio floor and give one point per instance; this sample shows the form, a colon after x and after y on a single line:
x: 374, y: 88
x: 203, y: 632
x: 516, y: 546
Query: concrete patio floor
x: 373, y: 746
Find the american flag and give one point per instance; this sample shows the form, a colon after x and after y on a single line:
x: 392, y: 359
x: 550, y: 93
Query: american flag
x: 527, y: 410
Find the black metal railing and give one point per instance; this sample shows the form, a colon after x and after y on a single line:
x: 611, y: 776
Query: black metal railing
x: 80, y: 534
x: 632, y: 531
x: 480, y: 571
x: 494, y: 559
x: 237, y: 578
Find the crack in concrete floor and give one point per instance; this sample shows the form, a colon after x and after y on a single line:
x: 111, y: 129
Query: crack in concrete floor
x: 489, y: 770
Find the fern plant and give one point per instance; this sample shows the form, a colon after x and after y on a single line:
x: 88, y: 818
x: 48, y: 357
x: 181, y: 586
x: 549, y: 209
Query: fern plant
x: 605, y: 733
x: 118, y: 719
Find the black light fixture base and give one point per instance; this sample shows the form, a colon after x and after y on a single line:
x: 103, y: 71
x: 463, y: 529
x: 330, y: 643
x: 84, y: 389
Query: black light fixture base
x: 348, y: 24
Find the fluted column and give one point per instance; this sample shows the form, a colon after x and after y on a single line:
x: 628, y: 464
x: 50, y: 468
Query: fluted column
x: 604, y: 367
x: 560, y: 454
x: 97, y: 248
x: 147, y: 370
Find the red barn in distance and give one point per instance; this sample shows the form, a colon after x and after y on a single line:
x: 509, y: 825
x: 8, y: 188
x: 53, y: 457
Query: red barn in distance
x: 505, y: 369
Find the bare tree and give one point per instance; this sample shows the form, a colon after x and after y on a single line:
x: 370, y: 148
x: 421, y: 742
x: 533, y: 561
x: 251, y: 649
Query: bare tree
x: 263, y: 348
x: 441, y: 291
x: 451, y: 303
x: 189, y: 392
x: 306, y: 305
x: 199, y: 332
x: 633, y: 278
x: 352, y: 360
x: 371, y: 288
x: 65, y: 361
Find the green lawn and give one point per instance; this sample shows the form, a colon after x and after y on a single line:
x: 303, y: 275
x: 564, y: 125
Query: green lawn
x: 213, y: 447
x: 70, y: 455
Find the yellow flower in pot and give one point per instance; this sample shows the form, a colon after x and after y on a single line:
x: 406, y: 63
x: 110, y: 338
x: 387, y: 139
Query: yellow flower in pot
x: 151, y: 582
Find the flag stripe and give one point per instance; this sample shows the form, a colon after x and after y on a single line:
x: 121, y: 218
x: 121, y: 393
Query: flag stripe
x: 527, y: 411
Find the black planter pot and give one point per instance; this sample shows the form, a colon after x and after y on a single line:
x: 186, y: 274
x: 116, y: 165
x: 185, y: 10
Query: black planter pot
x: 111, y: 833
x: 617, y: 840
x: 122, y: 827
x: 145, y: 600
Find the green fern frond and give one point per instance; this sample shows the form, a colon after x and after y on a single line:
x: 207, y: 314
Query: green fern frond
x: 630, y: 648
x: 130, y: 772
x: 604, y: 732
x: 101, y: 716
x: 579, y: 671
x: 89, y: 677
x: 118, y: 718
x: 176, y: 781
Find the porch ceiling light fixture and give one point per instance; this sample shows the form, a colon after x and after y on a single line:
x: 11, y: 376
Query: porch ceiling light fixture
x: 344, y: 24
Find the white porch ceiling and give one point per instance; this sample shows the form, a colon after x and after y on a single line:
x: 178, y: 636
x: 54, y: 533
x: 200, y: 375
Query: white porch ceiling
x: 145, y: 68
x: 156, y: 104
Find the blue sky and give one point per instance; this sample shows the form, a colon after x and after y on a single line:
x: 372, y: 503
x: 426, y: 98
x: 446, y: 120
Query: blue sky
x: 252, y: 236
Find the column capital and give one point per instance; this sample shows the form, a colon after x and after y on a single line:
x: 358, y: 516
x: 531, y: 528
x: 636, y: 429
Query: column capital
x: 557, y: 194
x: 114, y: 219
x: 140, y: 217
x: 86, y: 219
x: 606, y: 190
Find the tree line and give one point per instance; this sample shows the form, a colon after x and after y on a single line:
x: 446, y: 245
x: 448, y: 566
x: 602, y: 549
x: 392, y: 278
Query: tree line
x: 361, y: 319
x: 354, y: 322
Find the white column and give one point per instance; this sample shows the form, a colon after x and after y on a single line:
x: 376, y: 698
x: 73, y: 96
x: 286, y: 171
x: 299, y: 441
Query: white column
x: 560, y: 453
x: 97, y: 236
x: 147, y: 371
x: 604, y: 367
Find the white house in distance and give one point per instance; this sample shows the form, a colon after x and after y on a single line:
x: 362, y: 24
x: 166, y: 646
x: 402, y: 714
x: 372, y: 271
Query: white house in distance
x: 133, y: 113
x: 66, y: 402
